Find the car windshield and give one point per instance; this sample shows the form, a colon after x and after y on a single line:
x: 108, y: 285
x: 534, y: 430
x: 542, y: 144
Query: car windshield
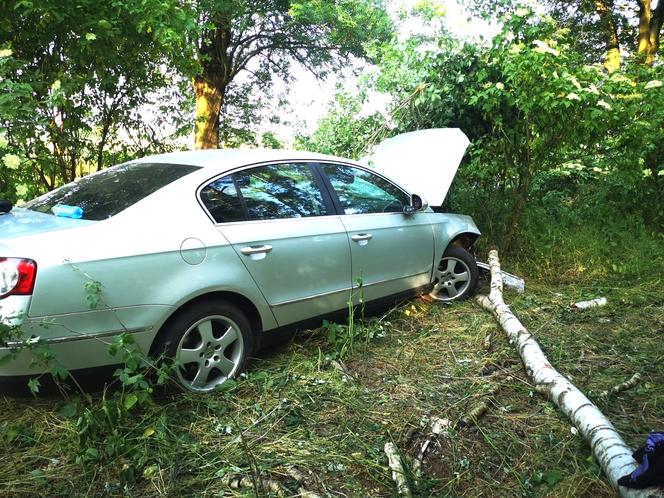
x: 105, y: 194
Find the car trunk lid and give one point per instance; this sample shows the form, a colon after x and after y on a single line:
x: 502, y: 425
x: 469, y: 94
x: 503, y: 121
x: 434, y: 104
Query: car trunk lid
x: 20, y: 222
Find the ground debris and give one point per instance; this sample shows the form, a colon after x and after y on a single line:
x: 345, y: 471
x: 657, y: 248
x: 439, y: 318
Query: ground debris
x: 477, y: 411
x: 592, y: 303
x: 613, y: 455
x: 633, y: 381
x: 398, y: 473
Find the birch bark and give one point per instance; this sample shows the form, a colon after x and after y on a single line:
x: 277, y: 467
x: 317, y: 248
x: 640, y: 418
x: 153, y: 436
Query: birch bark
x: 613, y: 455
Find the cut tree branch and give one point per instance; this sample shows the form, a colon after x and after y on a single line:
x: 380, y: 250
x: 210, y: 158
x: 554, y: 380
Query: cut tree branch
x: 633, y: 381
x: 398, y: 473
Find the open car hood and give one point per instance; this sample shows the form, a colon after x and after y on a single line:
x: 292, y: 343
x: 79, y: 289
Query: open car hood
x: 424, y: 161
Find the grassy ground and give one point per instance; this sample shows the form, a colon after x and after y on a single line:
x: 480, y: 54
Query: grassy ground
x: 295, y: 410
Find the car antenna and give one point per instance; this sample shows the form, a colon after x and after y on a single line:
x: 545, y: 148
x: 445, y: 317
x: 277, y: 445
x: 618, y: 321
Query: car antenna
x: 5, y: 206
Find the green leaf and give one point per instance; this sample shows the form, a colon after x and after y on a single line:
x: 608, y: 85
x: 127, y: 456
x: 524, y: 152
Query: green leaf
x: 129, y: 401
x: 38, y: 475
x: 226, y: 386
x: 59, y: 372
x: 33, y: 385
x: 551, y: 477
x: 92, y: 454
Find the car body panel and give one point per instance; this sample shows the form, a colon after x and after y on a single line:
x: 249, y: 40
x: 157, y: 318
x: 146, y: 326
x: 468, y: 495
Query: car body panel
x: 13, y: 310
x: 74, y: 355
x: 447, y: 227
x: 398, y: 256
x: 20, y: 222
x: 424, y: 162
x: 307, y: 269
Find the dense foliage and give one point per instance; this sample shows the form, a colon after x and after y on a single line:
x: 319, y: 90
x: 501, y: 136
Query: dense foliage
x: 84, y: 84
x: 552, y: 136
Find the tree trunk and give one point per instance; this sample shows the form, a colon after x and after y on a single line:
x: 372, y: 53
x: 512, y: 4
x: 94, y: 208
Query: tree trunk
x: 655, y: 29
x: 210, y: 86
x: 209, y: 97
x: 612, y: 58
x: 613, y: 455
x: 645, y: 16
x: 650, y: 26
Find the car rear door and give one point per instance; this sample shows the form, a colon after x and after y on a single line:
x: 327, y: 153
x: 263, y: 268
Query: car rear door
x: 391, y: 252
x: 280, y: 220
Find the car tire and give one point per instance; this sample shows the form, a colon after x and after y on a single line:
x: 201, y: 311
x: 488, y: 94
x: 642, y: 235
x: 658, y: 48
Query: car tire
x: 209, y: 343
x: 456, y: 276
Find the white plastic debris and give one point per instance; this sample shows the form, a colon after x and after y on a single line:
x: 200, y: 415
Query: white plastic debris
x: 582, y: 305
x: 509, y: 281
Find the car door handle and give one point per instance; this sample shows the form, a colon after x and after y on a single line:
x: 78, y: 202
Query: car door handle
x: 249, y: 250
x: 360, y: 237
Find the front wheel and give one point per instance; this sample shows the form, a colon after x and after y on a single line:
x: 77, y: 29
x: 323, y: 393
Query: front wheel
x: 209, y: 341
x: 456, y: 276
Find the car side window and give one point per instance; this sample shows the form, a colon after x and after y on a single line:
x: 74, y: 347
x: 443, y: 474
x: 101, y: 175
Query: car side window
x: 264, y: 193
x: 222, y: 201
x: 362, y: 192
x: 280, y: 191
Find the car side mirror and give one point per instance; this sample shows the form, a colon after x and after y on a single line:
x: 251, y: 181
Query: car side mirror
x: 416, y: 204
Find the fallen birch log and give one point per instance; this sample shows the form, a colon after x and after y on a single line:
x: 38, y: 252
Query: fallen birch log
x: 613, y: 455
x: 398, y: 473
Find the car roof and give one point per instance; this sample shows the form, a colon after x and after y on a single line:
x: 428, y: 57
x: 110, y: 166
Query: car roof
x: 226, y: 159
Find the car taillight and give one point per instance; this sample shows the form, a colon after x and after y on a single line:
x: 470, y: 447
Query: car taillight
x: 17, y: 276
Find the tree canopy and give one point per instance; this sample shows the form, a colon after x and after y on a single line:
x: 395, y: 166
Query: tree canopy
x: 73, y: 79
x: 263, y: 39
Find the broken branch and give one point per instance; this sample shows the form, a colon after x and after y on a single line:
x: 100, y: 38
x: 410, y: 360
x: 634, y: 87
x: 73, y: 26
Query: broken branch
x: 478, y: 410
x: 624, y: 386
x: 436, y: 427
x: 398, y: 474
x: 238, y: 482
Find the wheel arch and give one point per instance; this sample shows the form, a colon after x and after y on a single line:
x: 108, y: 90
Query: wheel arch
x: 238, y: 300
x: 464, y: 240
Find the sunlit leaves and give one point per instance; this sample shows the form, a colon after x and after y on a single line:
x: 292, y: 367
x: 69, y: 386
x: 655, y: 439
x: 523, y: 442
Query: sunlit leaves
x: 72, y: 85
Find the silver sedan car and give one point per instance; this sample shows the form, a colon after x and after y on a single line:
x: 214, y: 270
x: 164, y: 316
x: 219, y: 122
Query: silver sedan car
x: 200, y: 255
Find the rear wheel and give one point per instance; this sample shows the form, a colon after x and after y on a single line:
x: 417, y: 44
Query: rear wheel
x: 209, y: 341
x: 456, y: 276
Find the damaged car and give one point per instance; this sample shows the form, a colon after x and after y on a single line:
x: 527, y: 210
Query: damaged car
x: 202, y: 255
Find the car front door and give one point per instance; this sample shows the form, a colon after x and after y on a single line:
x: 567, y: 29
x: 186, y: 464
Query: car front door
x: 281, y: 223
x: 391, y: 252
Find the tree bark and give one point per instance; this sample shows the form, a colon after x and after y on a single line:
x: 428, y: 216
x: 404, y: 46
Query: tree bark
x: 650, y: 27
x: 613, y: 455
x: 612, y: 59
x: 656, y: 23
x: 398, y: 473
x: 643, y: 38
x: 210, y: 86
x: 209, y: 98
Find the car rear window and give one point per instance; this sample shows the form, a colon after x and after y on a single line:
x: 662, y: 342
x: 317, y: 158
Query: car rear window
x: 108, y: 192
